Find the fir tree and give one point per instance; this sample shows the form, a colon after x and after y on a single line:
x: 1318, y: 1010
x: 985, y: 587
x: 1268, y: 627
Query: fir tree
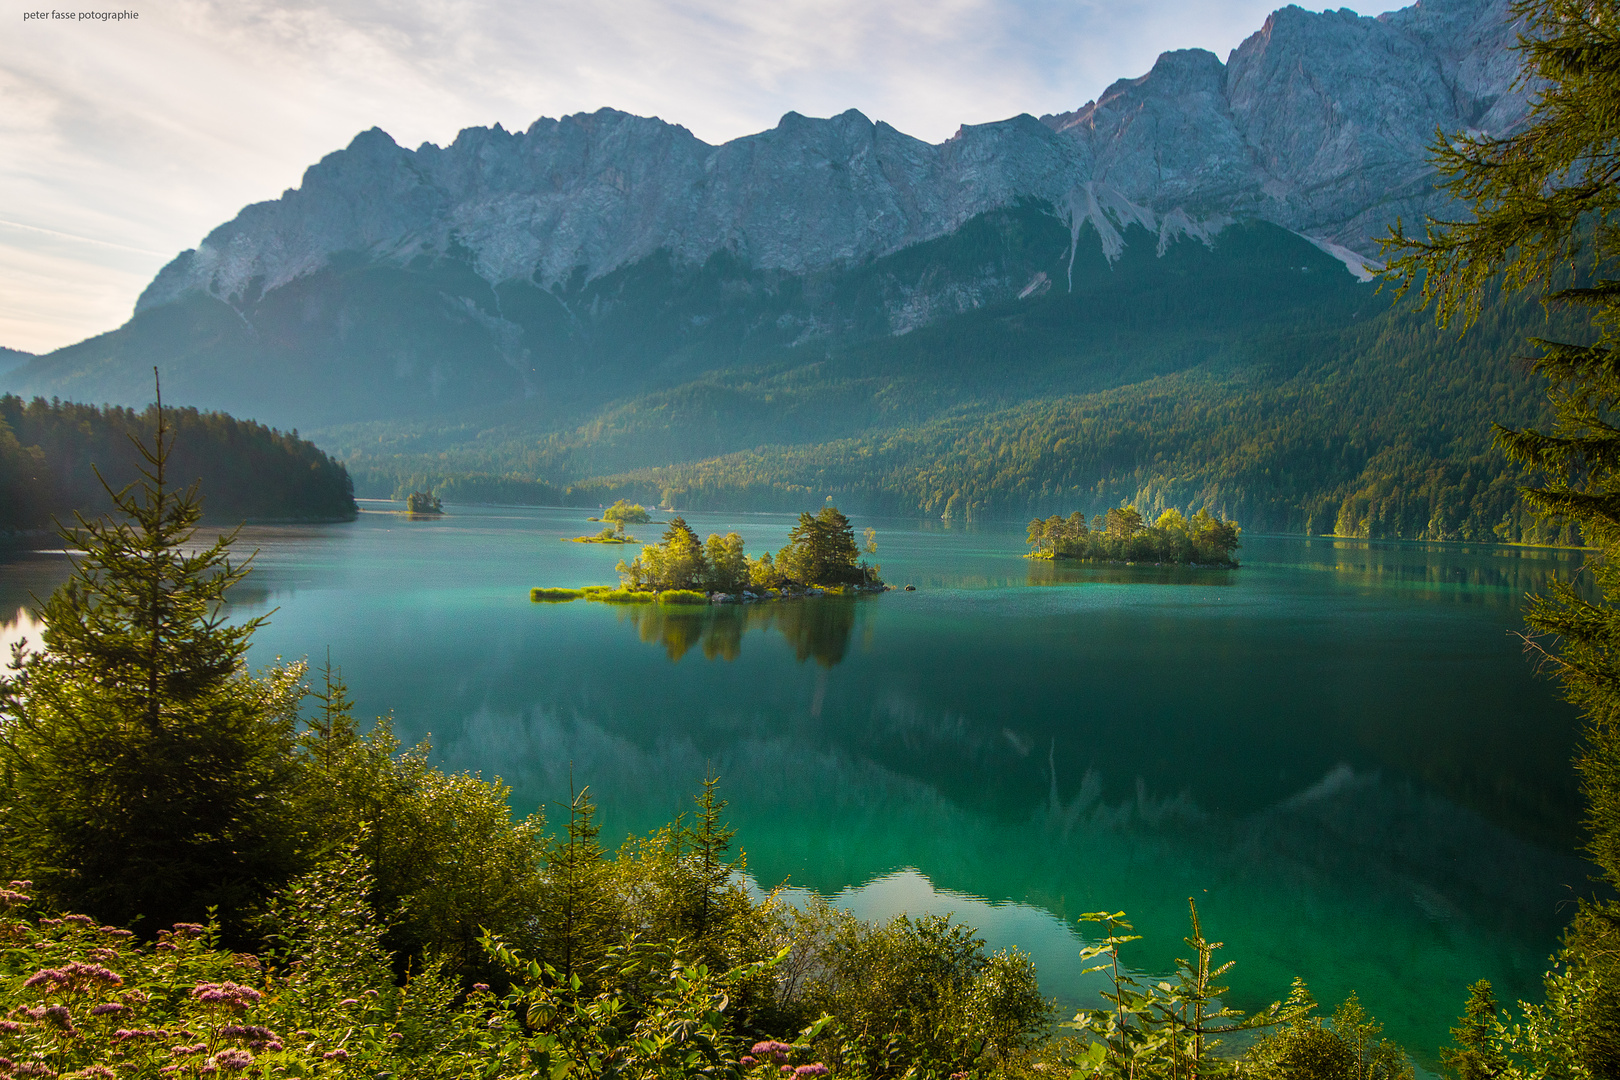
x: 1546, y: 218
x: 575, y: 911
x: 146, y: 773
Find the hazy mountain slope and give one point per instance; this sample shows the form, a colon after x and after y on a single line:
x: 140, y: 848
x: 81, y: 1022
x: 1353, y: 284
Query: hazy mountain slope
x: 11, y: 359
x: 1381, y: 429
x: 1143, y: 315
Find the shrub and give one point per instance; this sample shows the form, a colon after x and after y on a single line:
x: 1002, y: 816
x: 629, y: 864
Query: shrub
x: 555, y: 596
x: 621, y: 596
x: 682, y: 596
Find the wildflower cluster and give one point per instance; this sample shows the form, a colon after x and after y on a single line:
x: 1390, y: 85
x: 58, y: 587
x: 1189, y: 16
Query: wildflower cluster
x: 770, y: 1056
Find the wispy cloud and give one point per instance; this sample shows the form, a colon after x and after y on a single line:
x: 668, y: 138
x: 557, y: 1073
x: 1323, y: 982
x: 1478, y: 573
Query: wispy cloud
x: 141, y: 136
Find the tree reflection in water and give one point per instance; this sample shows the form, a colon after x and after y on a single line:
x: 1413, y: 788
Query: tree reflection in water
x: 817, y: 627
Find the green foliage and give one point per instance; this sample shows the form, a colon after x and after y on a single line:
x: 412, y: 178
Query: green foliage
x: 1122, y: 535
x: 622, y: 513
x: 682, y: 596
x: 422, y: 502
x: 820, y: 551
x: 1543, y: 204
x: 50, y: 452
x: 1168, y: 1029
x: 910, y: 997
x: 622, y: 596
x: 1306, y: 1048
x: 727, y: 565
x: 577, y: 912
x: 554, y: 596
x: 146, y: 774
x: 676, y: 562
x: 445, y: 857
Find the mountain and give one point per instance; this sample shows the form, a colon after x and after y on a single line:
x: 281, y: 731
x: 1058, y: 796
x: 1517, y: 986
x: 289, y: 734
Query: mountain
x: 11, y: 359
x: 605, y: 293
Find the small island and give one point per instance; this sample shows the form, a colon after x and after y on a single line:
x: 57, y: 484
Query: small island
x: 1123, y: 536
x: 606, y: 536
x: 423, y: 502
x: 821, y: 557
x: 619, y: 514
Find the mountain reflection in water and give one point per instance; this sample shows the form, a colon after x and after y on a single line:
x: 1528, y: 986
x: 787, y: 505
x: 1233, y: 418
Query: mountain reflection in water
x: 817, y: 628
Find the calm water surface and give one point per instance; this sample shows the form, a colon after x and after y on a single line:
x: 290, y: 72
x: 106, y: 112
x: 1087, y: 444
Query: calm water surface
x: 1338, y: 749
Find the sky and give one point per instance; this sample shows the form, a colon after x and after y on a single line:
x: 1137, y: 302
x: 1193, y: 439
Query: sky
x: 123, y: 142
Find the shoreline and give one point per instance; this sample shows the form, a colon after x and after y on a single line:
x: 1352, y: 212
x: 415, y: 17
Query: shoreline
x: 606, y: 594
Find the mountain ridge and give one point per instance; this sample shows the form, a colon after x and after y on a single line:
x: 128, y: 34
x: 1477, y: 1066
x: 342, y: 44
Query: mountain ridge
x: 604, y: 294
x: 1317, y: 122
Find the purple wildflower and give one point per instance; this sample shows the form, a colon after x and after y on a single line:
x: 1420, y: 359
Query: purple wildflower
x: 186, y: 930
x: 786, y: 1070
x: 184, y: 1051
x: 59, y: 1015
x: 79, y: 920
x: 32, y: 1068
x: 22, y: 884
x: 10, y: 1027
x: 815, y: 1068
x: 231, y: 995
x: 109, y: 1008
x: 233, y: 1059
x: 747, y: 1061
x: 9, y: 897
x: 73, y: 976
x: 126, y: 1034
x: 50, y: 922
x: 335, y: 1055
x: 96, y: 1072
x: 164, y: 946
x: 117, y: 932
x: 476, y: 986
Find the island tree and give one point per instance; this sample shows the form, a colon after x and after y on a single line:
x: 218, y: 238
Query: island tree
x: 622, y: 513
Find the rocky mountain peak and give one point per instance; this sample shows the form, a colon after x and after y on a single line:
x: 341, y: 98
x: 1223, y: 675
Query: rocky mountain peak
x: 1319, y: 122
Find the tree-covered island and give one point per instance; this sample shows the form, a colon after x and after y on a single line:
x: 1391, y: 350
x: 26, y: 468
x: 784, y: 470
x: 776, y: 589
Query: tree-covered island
x: 423, y: 502
x: 1122, y: 535
x: 821, y: 555
x: 618, y: 514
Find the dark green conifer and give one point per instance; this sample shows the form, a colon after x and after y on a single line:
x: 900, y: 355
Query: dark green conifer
x: 1545, y: 204
x: 576, y: 909
x: 146, y: 773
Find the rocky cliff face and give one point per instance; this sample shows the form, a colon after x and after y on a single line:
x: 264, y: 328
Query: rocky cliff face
x: 1318, y: 122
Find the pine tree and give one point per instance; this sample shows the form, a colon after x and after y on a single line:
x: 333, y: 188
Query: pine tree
x: 144, y: 773
x: 576, y: 906
x: 1546, y: 218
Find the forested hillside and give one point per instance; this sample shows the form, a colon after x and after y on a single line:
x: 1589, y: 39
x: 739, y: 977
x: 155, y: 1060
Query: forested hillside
x: 1252, y: 378
x: 50, y: 452
x: 1383, y: 431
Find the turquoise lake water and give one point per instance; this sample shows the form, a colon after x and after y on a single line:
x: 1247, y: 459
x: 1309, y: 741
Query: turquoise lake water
x: 1339, y: 749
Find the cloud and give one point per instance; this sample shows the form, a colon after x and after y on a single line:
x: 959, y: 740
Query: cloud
x: 145, y: 134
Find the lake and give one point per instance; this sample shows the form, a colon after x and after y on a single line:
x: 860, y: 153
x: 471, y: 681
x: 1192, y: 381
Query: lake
x: 1339, y: 749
